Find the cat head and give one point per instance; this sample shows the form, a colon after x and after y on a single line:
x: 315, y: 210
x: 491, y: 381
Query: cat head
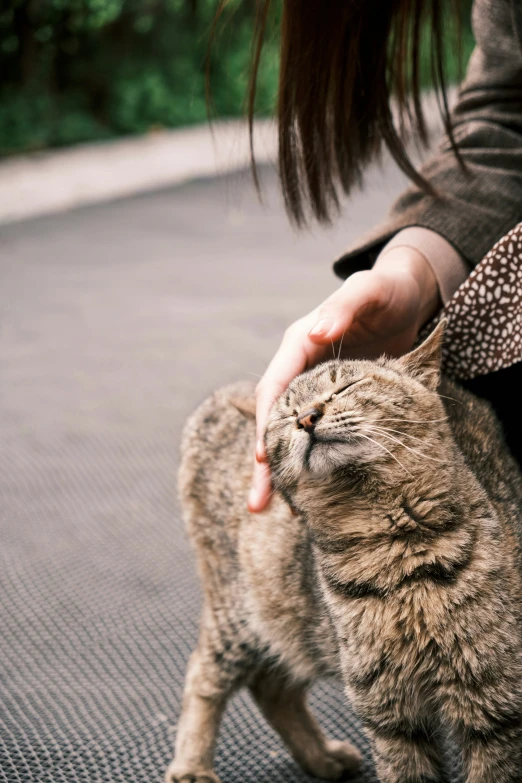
x: 353, y: 414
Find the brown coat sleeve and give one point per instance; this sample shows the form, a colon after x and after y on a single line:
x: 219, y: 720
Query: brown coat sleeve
x: 478, y: 207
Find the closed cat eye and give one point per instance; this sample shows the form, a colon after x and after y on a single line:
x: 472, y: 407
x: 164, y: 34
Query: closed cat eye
x: 345, y: 388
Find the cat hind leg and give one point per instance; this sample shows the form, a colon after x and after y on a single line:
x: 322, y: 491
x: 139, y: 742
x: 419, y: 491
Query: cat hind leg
x: 284, y: 706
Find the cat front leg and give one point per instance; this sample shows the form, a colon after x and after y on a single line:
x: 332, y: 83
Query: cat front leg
x: 490, y: 733
x: 401, y: 723
x: 493, y: 758
x: 483, y: 704
x: 404, y: 754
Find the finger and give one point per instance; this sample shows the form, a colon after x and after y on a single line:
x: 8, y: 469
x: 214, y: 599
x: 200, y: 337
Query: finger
x: 295, y: 354
x: 261, y: 490
x: 337, y: 314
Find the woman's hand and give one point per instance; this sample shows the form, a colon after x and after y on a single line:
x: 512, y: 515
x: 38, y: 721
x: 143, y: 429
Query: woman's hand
x: 373, y: 312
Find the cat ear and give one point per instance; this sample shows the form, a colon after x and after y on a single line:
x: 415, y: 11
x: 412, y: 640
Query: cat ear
x: 424, y: 362
x: 245, y: 405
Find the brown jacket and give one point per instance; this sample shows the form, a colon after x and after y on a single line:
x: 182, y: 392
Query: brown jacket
x: 480, y: 206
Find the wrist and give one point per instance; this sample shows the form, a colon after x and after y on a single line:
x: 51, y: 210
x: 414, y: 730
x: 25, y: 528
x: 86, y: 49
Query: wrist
x: 412, y: 264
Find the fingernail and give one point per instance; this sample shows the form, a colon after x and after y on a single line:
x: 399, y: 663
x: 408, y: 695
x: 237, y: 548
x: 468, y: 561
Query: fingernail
x: 260, y: 451
x: 253, y: 499
x: 321, y: 328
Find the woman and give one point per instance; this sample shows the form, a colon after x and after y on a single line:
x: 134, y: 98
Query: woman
x: 340, y: 61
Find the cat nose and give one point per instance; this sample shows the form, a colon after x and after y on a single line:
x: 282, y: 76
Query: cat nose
x: 308, y: 419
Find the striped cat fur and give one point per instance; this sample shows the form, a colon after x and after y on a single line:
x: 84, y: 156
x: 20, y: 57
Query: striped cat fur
x: 389, y: 557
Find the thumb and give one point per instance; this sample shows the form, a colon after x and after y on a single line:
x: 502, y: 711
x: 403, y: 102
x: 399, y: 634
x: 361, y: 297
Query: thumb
x: 337, y: 313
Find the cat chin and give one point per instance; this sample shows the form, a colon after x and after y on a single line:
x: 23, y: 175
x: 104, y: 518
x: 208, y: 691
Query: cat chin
x: 324, y: 458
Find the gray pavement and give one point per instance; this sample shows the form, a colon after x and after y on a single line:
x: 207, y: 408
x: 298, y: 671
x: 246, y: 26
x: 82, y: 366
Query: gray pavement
x: 128, y: 313
x: 51, y: 181
x: 115, y: 321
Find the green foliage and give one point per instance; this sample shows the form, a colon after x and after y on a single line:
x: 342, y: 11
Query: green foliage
x: 77, y: 70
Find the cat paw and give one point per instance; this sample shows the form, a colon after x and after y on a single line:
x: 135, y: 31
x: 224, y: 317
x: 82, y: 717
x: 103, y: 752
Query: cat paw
x: 177, y: 774
x: 339, y: 760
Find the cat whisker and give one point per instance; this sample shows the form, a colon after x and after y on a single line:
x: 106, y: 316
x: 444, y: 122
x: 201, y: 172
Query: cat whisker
x: 418, y: 421
x: 343, y: 415
x: 399, y: 432
x: 336, y: 426
x: 340, y: 346
x: 376, y: 442
x: 384, y: 433
x: 341, y: 423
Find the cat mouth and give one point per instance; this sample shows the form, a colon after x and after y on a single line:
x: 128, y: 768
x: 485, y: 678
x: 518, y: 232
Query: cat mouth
x: 320, y: 442
x: 327, y: 439
x: 327, y: 452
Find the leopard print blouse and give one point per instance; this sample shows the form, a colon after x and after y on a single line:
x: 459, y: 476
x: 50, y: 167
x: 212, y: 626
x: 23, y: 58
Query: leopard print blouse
x: 484, y: 316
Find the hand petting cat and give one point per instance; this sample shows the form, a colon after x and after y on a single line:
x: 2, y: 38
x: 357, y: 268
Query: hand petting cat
x: 374, y: 312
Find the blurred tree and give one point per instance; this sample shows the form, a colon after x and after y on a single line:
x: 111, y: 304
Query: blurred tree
x: 75, y: 70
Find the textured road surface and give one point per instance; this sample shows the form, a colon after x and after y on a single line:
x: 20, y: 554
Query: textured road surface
x: 115, y: 322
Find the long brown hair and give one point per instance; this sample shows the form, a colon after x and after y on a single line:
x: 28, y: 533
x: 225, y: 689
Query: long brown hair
x: 341, y: 62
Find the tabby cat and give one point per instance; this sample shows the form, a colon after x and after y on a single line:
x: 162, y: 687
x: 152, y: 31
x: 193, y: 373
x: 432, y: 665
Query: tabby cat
x: 389, y: 557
